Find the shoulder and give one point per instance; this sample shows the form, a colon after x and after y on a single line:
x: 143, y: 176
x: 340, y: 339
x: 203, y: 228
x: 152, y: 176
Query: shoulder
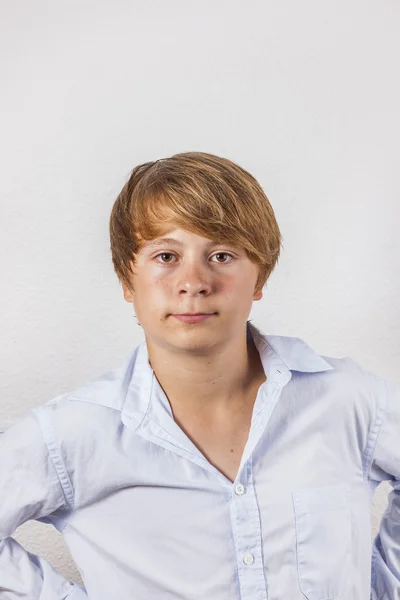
x: 89, y: 409
x: 354, y: 373
x: 360, y: 391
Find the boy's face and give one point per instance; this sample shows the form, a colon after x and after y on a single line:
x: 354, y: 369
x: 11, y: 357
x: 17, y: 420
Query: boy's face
x: 191, y: 275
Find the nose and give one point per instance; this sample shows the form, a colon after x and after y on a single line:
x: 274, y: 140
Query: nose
x: 193, y: 279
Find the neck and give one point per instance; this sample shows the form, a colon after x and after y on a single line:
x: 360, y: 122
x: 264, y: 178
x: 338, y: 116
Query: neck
x: 209, y: 385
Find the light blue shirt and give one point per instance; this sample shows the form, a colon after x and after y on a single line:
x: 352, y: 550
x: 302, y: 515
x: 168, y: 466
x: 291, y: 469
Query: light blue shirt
x: 146, y: 516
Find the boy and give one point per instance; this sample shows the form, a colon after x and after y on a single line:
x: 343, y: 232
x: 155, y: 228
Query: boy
x: 218, y: 462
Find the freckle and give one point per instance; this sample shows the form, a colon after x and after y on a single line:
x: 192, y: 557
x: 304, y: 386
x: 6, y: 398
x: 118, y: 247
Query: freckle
x: 232, y: 450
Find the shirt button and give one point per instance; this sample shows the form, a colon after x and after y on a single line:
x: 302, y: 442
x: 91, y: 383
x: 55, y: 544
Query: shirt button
x: 239, y: 489
x: 248, y: 559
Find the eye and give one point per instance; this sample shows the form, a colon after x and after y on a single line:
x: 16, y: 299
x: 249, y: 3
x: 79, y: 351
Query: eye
x: 164, y: 254
x: 171, y: 254
x: 224, y: 254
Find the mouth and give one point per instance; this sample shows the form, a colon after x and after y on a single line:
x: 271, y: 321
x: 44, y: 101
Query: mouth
x: 193, y: 317
x: 192, y: 314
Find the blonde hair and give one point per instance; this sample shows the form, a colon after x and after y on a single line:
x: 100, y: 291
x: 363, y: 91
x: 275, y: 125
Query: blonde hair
x: 202, y: 193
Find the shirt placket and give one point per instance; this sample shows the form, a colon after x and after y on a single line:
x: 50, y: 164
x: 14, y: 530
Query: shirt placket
x: 244, y: 509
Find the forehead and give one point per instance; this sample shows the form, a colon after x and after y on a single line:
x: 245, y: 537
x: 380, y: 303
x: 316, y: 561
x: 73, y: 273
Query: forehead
x: 164, y: 241
x: 178, y: 237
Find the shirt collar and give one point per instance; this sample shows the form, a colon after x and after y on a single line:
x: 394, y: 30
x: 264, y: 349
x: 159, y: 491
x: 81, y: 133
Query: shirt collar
x: 277, y: 354
x: 293, y: 352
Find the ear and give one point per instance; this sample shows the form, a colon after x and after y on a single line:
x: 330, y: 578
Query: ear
x: 258, y: 293
x: 127, y: 293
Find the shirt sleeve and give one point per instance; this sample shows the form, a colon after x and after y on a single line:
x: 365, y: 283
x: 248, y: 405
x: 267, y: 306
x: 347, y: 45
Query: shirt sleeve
x: 385, y: 466
x: 30, y: 488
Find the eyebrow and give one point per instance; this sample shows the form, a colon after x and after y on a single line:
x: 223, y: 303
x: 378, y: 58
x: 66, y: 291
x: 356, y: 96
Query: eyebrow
x: 163, y: 241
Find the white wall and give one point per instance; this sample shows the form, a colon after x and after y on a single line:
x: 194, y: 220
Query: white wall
x: 305, y: 95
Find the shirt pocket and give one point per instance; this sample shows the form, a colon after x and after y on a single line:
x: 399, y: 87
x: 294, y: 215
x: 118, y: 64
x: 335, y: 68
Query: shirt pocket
x: 323, y: 533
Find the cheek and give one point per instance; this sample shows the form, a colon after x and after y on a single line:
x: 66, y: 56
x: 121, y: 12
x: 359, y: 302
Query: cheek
x: 153, y: 290
x: 239, y: 291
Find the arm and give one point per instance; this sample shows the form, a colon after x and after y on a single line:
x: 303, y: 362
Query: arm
x: 30, y: 488
x: 385, y: 466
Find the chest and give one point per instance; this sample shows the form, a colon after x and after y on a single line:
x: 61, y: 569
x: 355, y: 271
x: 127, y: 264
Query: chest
x: 222, y: 437
x: 172, y: 511
x: 226, y: 456
x: 221, y: 444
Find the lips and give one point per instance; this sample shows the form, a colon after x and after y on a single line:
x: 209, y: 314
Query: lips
x: 192, y: 314
x: 194, y: 318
